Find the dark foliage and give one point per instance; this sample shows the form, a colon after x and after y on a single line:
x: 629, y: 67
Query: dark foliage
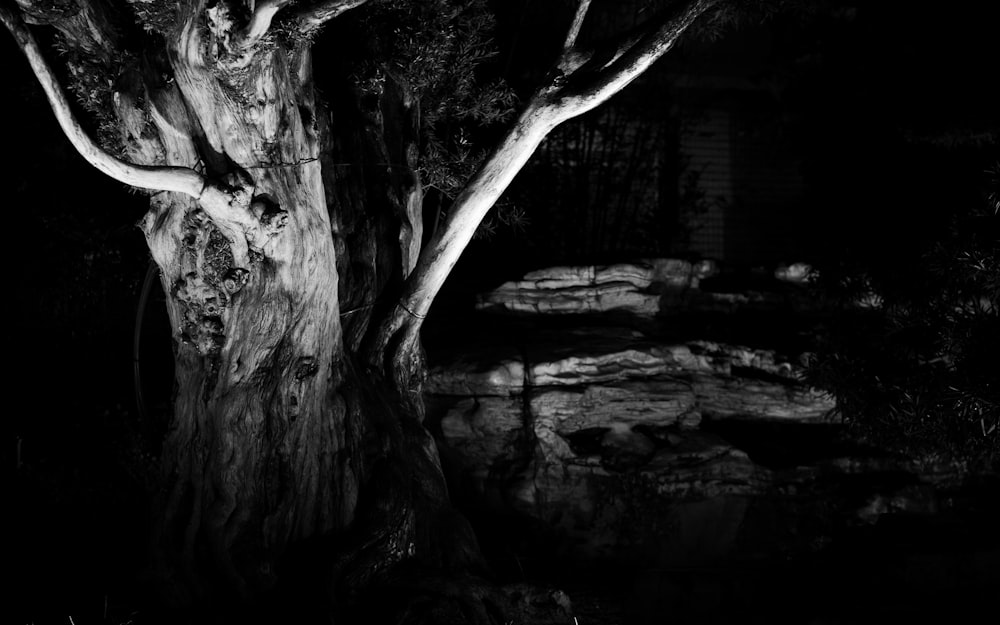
x: 911, y: 356
x: 438, y: 50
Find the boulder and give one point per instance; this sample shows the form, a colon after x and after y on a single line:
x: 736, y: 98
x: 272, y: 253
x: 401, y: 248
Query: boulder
x: 591, y: 298
x: 722, y: 396
x: 654, y: 402
x: 592, y: 429
x: 593, y: 355
x: 490, y: 369
x: 646, y: 289
x: 629, y: 287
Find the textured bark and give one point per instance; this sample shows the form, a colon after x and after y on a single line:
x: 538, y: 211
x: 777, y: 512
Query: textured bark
x: 261, y: 454
x: 282, y: 448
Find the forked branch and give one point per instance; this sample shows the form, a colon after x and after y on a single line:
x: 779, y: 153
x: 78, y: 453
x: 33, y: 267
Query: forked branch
x: 577, y: 87
x: 632, y: 56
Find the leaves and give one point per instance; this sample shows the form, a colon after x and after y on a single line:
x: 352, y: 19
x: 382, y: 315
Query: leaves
x: 918, y: 374
x: 436, y: 48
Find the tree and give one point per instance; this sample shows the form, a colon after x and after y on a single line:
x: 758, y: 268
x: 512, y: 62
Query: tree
x: 288, y: 231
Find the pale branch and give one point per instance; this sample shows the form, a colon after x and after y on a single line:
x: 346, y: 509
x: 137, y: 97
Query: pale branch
x: 466, y: 213
x: 178, y: 179
x: 309, y: 18
x: 633, y: 57
x: 576, y: 25
x: 313, y: 17
x: 588, y: 65
x: 260, y: 22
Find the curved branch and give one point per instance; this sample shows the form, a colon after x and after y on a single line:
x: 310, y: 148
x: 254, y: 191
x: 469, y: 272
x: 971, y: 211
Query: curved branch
x: 263, y: 14
x: 178, y: 179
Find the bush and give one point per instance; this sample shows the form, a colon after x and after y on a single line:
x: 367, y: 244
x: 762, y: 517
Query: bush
x: 911, y: 352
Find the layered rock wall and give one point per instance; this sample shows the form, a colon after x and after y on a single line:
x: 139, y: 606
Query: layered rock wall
x: 581, y: 402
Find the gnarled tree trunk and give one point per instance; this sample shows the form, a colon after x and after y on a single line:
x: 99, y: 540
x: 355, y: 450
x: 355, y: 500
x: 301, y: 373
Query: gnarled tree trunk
x: 278, y: 425
x: 259, y: 454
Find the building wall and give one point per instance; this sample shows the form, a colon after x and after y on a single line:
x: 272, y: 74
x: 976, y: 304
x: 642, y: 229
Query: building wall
x: 706, y: 146
x: 753, y: 188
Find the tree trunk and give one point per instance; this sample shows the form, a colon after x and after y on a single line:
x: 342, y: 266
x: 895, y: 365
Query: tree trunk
x: 287, y: 457
x: 258, y: 454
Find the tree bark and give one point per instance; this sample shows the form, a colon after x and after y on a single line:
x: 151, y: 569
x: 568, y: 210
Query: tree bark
x: 288, y: 461
x: 261, y: 452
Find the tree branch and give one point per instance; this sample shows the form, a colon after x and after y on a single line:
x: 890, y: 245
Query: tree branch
x: 313, y: 17
x: 565, y: 96
x: 178, y: 179
x: 260, y: 22
x: 449, y: 240
x: 632, y: 56
x: 576, y: 25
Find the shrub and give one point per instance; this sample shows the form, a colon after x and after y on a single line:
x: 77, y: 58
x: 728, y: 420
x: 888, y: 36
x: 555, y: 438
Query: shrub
x: 911, y: 352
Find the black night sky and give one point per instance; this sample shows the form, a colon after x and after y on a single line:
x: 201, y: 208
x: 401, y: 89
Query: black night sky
x: 888, y: 113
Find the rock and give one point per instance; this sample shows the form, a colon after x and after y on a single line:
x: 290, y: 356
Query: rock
x: 592, y: 403
x: 495, y: 369
x: 645, y: 289
x: 702, y: 465
x: 656, y: 402
x: 597, y: 355
x: 638, y: 275
x: 607, y: 442
x: 740, y: 397
x: 676, y: 274
x: 629, y: 287
x: 796, y: 273
x: 593, y: 431
x: 725, y: 358
x: 596, y: 298
x: 622, y: 448
x: 482, y: 435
